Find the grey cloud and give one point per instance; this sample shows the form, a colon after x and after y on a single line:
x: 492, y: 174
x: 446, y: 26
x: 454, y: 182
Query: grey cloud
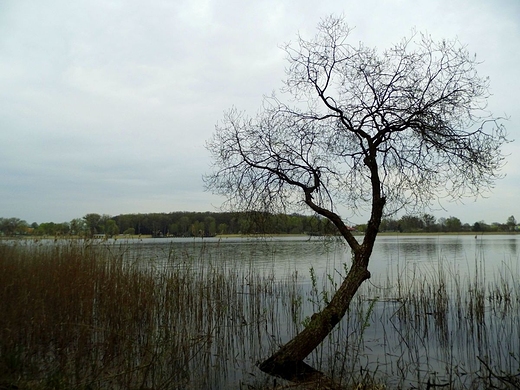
x: 106, y: 105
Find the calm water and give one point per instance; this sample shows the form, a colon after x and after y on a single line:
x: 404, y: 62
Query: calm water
x: 466, y: 255
x: 433, y: 305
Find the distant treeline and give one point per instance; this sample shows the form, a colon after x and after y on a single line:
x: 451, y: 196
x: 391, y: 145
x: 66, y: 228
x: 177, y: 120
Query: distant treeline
x: 427, y: 223
x: 208, y: 224
x: 174, y: 224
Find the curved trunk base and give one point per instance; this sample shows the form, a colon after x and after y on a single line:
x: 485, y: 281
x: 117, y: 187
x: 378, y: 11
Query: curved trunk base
x: 300, y: 373
x: 294, y: 371
x: 287, y: 362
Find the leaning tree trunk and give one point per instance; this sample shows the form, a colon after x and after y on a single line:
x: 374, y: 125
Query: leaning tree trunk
x: 287, y: 362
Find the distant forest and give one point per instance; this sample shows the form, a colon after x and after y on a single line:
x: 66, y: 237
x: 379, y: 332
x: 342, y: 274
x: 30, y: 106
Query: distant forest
x: 209, y: 224
x: 174, y: 224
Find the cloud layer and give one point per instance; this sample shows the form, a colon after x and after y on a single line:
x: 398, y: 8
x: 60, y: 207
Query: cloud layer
x: 106, y: 105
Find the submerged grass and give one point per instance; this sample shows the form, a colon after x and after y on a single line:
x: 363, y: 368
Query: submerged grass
x: 90, y: 315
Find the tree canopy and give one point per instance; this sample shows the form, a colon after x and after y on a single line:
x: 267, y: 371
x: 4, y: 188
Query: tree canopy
x: 410, y: 122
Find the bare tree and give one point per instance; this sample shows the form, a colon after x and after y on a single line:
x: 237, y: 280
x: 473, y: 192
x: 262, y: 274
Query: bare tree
x: 368, y: 131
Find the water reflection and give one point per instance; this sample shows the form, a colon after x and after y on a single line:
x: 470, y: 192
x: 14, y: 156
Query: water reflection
x: 512, y: 242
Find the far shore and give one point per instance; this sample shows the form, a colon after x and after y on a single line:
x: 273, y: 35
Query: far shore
x: 360, y: 234
x: 224, y: 236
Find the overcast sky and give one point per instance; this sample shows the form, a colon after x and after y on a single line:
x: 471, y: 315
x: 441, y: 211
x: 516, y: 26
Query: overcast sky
x: 106, y: 105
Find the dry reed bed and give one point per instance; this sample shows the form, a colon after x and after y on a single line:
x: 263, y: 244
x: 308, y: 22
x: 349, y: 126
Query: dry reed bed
x: 81, y: 316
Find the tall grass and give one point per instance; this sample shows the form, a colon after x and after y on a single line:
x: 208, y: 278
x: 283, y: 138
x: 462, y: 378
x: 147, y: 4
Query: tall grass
x: 79, y: 315
x: 91, y: 315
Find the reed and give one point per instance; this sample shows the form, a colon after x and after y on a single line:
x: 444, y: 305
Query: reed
x: 104, y: 315
x: 83, y: 316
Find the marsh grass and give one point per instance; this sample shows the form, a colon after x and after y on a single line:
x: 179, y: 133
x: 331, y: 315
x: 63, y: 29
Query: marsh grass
x: 99, y: 315
x: 79, y: 315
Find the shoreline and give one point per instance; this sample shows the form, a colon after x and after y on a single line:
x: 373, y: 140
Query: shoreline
x: 356, y: 234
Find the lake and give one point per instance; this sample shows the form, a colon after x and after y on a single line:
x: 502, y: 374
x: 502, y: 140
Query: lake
x: 438, y: 309
x: 464, y: 254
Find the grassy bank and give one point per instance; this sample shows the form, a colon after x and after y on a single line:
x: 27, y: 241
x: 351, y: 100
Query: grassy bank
x: 95, y: 315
